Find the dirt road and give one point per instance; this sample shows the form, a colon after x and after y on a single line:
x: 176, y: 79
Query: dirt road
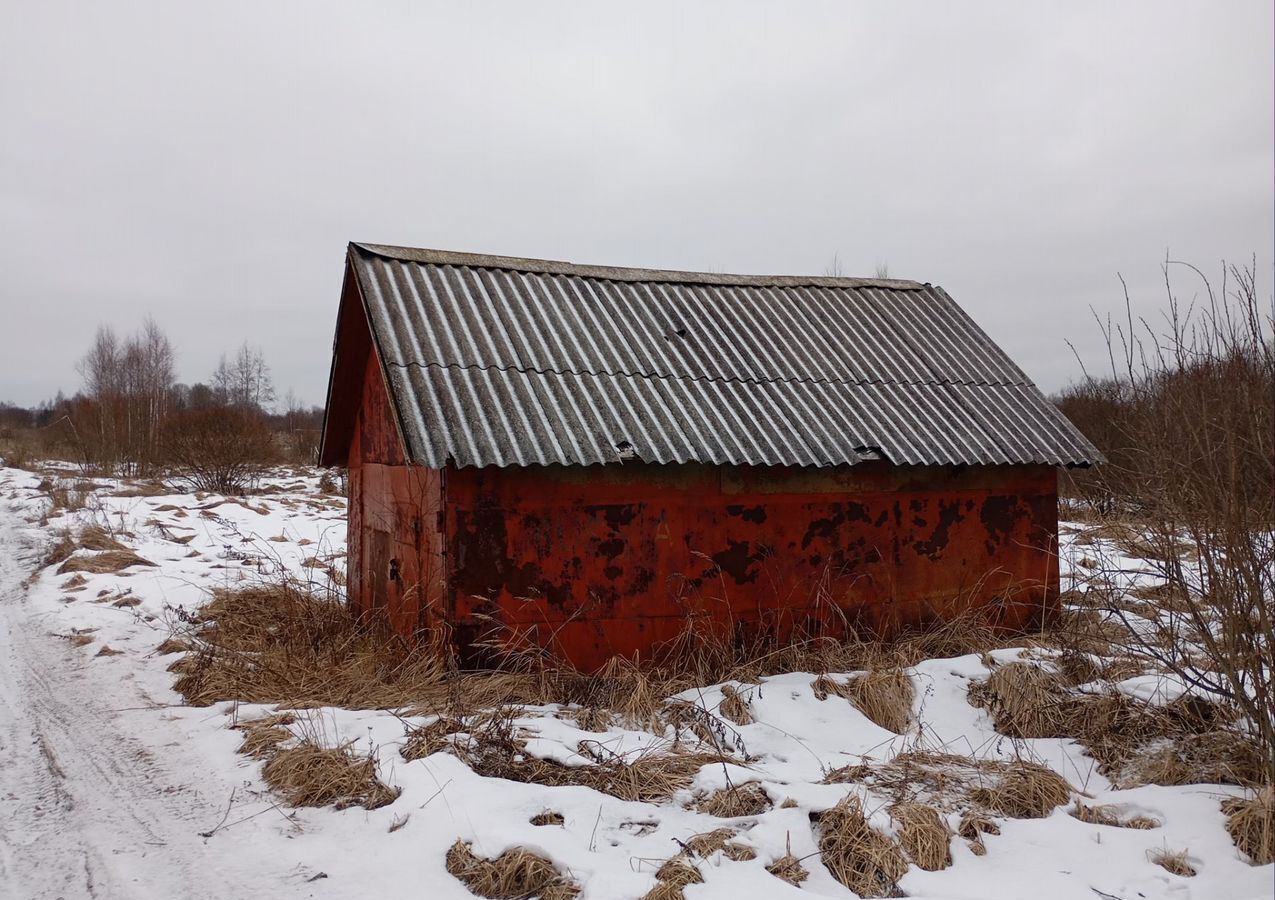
x: 95, y: 792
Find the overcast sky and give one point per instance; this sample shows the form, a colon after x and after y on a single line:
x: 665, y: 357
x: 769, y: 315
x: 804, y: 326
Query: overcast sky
x: 207, y: 163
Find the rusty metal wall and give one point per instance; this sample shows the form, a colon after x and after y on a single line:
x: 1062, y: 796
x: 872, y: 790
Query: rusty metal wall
x: 596, y: 561
x: 395, y: 559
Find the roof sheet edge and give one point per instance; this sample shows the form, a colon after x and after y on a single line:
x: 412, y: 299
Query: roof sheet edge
x: 620, y: 273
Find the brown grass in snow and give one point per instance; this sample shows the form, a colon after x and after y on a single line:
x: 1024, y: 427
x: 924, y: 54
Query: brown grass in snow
x: 672, y: 877
x: 548, y: 817
x: 788, y: 868
x: 1110, y: 816
x: 1251, y: 824
x: 106, y: 562
x: 311, y: 775
x: 885, y: 696
x: 516, y: 874
x: 262, y: 737
x: 748, y: 799
x: 924, y: 835
x: 1175, y: 863
x: 735, y: 707
x: 865, y: 860
x: 1015, y: 788
x: 720, y: 839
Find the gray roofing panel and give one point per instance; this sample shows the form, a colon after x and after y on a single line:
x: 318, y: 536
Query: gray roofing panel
x: 495, y: 361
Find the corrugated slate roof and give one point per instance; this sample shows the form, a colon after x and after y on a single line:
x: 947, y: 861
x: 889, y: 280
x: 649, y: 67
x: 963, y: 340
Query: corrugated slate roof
x: 502, y: 361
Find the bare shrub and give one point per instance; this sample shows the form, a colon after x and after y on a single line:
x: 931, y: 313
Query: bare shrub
x: 311, y: 775
x: 516, y: 874
x: 220, y: 449
x: 865, y: 860
x: 1189, y: 404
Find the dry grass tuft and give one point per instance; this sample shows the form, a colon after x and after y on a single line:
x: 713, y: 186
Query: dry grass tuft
x: 127, y: 600
x: 885, y: 696
x: 1110, y: 816
x: 1175, y: 863
x: 974, y: 825
x: 862, y: 858
x: 75, y: 583
x: 278, y: 643
x: 747, y: 799
x: 788, y: 868
x: 672, y: 877
x: 311, y: 775
x: 173, y: 645
x: 492, y: 749
x: 735, y: 707
x: 516, y: 874
x: 823, y: 685
x: 1251, y: 824
x: 710, y: 842
x: 60, y: 549
x: 590, y: 718
x: 1188, y: 741
x: 1025, y: 700
x: 846, y: 774
x: 424, y: 740
x: 548, y: 817
x: 106, y: 562
x: 95, y: 537
x: 262, y: 737
x: 1025, y: 791
x: 107, y: 650
x: 924, y: 835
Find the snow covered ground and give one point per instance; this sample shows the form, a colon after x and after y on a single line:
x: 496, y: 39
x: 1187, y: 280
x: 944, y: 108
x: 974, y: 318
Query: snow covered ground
x: 111, y: 788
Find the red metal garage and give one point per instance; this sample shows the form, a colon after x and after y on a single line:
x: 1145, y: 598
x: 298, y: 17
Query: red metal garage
x: 591, y: 459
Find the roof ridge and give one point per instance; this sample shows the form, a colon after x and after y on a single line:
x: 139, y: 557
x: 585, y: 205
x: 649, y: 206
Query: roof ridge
x: 426, y: 256
x: 532, y: 370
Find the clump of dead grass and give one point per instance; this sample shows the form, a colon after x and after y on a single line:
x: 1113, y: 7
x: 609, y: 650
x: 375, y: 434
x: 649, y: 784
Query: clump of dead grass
x: 104, y: 563
x: 262, y: 737
x: 973, y: 826
x: 173, y: 645
x: 516, y: 874
x: 1110, y: 816
x: 311, y: 775
x: 735, y: 707
x: 846, y: 774
x: 735, y: 801
x: 548, y: 817
x: 1173, y: 862
x: 279, y: 643
x: 924, y: 835
x: 788, y: 868
x: 674, y: 875
x: 865, y: 860
x: 719, y: 839
x: 1187, y: 741
x: 1025, y: 791
x: 424, y: 740
x: 491, y: 747
x: 95, y: 537
x: 885, y: 696
x: 1012, y: 787
x: 1251, y: 824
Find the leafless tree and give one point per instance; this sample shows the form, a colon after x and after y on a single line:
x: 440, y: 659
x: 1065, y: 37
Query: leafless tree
x: 244, y: 381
